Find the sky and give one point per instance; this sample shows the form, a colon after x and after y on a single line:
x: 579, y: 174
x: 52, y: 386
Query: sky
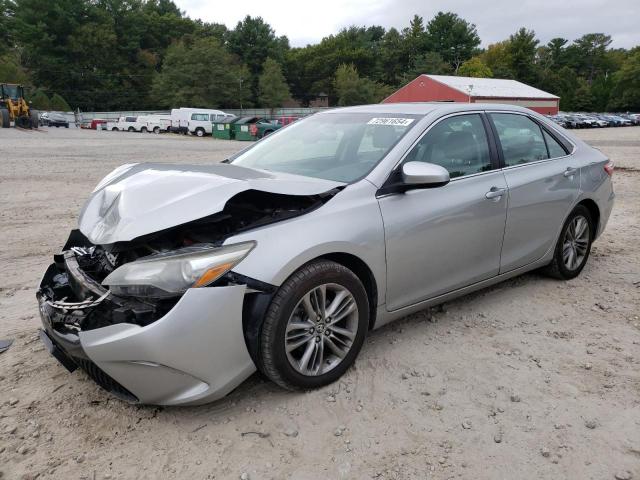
x: 306, y: 22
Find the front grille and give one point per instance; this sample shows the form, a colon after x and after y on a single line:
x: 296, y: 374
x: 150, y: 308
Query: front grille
x: 105, y: 381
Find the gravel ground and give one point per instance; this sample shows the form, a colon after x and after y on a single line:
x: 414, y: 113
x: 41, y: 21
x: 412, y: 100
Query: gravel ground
x: 530, y: 379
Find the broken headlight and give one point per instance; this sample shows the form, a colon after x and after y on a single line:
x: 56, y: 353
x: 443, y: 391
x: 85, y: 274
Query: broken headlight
x: 172, y: 273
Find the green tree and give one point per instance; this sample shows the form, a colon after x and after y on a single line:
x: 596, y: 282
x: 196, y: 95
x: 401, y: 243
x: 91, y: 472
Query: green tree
x: 498, y: 58
x: 430, y: 62
x: 475, y: 67
x: 626, y: 91
x: 273, y: 86
x: 40, y: 101
x: 201, y: 74
x: 591, y: 50
x: 583, y: 100
x: 391, y: 60
x: 352, y: 89
x: 11, y: 70
x: 311, y: 70
x: 6, y: 12
x: 522, y: 51
x: 557, y: 51
x: 59, y: 104
x: 414, y: 41
x: 253, y: 41
x: 455, y: 39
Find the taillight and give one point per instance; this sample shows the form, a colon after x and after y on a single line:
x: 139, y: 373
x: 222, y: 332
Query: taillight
x: 608, y: 167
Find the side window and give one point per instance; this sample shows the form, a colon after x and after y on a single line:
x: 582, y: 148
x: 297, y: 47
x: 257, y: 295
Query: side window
x: 520, y: 137
x: 458, y: 144
x: 555, y: 149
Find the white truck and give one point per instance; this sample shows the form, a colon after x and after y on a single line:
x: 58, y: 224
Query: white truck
x: 124, y: 124
x: 197, y: 121
x: 155, y: 123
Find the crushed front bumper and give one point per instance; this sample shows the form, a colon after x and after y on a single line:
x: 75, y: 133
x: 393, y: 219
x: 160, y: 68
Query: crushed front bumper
x: 195, y: 353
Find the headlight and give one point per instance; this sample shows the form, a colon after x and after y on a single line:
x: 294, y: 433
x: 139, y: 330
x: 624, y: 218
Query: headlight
x: 169, y: 274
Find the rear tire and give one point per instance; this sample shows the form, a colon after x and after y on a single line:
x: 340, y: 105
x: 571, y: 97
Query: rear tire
x: 200, y: 132
x: 143, y: 130
x: 114, y: 129
x: 131, y: 129
x: 309, y: 338
x: 156, y: 130
x: 5, y: 120
x: 573, y: 246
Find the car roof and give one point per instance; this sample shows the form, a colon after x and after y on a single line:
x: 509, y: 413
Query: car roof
x: 424, y: 108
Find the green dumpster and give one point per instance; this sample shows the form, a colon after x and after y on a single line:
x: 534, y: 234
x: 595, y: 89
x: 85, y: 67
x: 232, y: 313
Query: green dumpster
x: 242, y: 128
x: 223, y: 129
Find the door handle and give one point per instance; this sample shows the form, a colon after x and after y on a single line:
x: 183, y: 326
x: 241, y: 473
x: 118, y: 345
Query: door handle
x: 570, y: 172
x: 495, y: 192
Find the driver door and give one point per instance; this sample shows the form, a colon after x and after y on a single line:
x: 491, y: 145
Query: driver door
x: 442, y: 239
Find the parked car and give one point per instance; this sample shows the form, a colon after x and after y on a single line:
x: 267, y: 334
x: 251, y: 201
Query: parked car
x: 621, y: 121
x: 569, y: 121
x: 181, y: 281
x: 286, y: 120
x: 97, y: 123
x: 264, y: 127
x: 57, y: 120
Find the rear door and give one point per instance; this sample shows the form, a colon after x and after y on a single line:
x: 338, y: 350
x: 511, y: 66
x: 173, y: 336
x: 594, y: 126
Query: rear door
x: 441, y: 239
x: 543, y: 181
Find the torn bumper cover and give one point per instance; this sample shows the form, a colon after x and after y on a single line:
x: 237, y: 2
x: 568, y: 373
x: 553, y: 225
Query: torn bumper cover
x: 193, y: 353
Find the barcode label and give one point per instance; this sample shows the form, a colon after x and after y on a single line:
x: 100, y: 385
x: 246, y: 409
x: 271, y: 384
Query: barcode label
x: 394, y: 122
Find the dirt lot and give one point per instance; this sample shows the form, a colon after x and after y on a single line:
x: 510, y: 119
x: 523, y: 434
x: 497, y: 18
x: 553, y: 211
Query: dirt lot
x: 530, y: 379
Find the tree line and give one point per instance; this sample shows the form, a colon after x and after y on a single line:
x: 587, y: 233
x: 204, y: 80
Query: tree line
x: 147, y: 54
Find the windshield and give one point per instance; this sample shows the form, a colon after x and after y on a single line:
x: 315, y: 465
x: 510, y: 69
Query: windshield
x: 335, y: 146
x: 12, y: 91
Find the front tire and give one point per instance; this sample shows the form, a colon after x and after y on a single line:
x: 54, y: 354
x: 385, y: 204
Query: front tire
x: 143, y: 130
x: 35, y: 118
x: 574, y: 245
x: 315, y: 326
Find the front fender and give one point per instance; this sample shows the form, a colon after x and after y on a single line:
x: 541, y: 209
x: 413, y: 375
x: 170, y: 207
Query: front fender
x: 348, y: 223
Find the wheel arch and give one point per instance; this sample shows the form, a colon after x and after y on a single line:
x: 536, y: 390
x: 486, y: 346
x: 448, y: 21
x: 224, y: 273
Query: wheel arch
x: 364, y: 274
x: 594, y: 210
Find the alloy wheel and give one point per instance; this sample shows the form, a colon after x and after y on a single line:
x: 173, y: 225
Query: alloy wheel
x: 576, y: 243
x: 321, y: 330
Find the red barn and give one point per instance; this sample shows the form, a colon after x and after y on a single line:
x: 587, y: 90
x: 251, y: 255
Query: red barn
x: 445, y: 88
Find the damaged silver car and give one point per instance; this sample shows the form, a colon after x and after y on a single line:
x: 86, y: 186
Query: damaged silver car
x: 181, y: 281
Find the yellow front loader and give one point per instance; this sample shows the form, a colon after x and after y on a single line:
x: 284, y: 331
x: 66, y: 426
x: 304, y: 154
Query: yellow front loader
x: 14, y: 108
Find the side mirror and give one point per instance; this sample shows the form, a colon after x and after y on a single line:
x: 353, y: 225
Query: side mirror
x: 424, y: 175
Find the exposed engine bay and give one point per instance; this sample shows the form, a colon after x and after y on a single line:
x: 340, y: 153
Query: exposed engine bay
x: 72, y: 289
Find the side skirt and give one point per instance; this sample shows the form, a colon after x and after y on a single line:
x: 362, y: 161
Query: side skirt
x: 384, y: 316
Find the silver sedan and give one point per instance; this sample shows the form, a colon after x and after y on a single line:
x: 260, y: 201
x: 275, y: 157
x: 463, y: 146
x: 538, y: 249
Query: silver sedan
x: 181, y: 281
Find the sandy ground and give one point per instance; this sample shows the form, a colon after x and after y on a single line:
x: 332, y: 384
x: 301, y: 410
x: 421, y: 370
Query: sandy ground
x: 530, y: 379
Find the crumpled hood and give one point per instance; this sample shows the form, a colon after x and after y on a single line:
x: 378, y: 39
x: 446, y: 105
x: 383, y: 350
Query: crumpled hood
x: 138, y: 199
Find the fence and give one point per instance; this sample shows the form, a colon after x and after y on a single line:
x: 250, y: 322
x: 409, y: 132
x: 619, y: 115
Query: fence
x: 245, y: 112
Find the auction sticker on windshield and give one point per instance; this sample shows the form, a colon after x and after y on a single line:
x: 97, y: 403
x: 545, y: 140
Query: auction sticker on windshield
x: 395, y: 122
